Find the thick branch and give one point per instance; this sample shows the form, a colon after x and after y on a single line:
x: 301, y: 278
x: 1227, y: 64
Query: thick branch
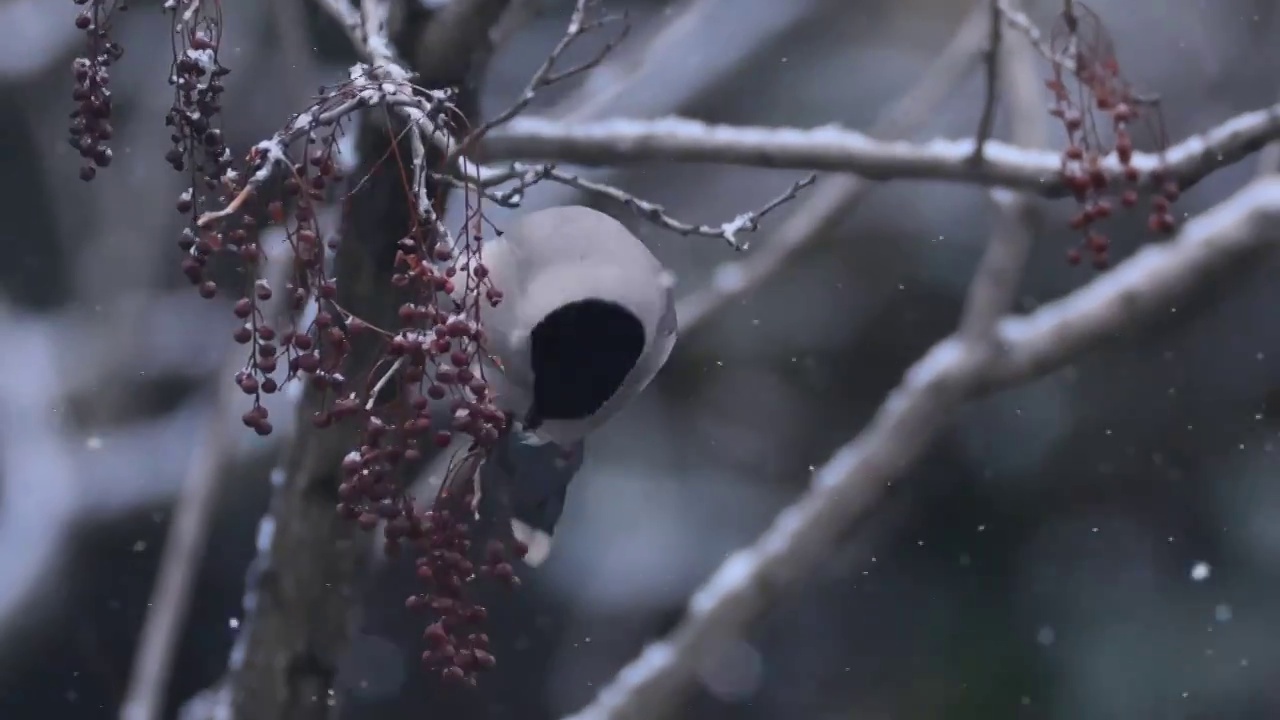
x: 304, y: 586
x: 838, y: 149
x: 851, y: 482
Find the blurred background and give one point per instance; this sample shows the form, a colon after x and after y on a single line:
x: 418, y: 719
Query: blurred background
x: 1101, y: 543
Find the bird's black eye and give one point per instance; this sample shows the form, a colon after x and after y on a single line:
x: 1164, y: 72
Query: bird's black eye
x: 581, y: 353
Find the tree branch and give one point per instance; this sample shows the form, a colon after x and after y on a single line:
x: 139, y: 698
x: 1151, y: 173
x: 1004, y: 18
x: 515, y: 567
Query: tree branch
x: 837, y: 149
x: 304, y: 587
x: 995, y: 283
x: 852, y: 481
x: 188, y: 533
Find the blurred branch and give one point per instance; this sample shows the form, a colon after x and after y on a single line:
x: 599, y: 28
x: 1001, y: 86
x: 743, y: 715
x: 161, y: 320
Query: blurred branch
x: 1148, y: 282
x: 811, y: 220
x: 189, y: 523
x: 1269, y: 158
x: 849, y: 485
x: 38, y: 493
x: 995, y: 284
x: 45, y: 38
x: 833, y: 148
x: 991, y: 59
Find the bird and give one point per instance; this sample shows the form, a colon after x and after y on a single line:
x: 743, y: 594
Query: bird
x: 586, y: 321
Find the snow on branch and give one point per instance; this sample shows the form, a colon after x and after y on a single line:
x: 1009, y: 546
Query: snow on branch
x: 428, y: 115
x: 836, y: 149
x: 848, y: 486
x: 526, y: 176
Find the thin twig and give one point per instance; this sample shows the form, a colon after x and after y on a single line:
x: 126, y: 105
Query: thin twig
x: 992, y: 61
x: 995, y: 283
x: 382, y: 381
x: 546, y: 74
x: 528, y: 176
x: 728, y: 231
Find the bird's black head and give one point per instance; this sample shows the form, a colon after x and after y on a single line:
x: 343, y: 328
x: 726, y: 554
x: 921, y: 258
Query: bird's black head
x: 580, y: 354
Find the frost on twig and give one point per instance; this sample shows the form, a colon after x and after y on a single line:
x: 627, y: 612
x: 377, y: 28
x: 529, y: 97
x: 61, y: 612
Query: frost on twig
x: 367, y: 87
x: 430, y: 115
x: 526, y: 176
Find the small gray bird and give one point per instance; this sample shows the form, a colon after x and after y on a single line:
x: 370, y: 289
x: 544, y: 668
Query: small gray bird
x: 587, y: 320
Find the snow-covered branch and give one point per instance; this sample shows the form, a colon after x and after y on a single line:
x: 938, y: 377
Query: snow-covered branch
x: 837, y: 149
x: 848, y: 486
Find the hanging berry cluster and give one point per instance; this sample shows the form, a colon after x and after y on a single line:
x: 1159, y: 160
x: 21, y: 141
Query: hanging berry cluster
x: 433, y: 358
x: 1094, y: 102
x: 456, y: 645
x: 430, y: 358
x: 90, y: 127
x: 197, y: 147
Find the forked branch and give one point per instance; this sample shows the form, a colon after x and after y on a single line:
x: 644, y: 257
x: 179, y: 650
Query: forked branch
x: 848, y: 486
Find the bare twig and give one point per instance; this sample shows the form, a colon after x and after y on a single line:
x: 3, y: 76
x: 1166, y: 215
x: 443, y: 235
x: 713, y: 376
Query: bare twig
x: 992, y: 62
x: 995, y: 284
x: 368, y: 87
x: 382, y: 382
x: 530, y: 175
x: 387, y: 85
x: 546, y: 75
x: 650, y: 77
x: 833, y: 148
x: 728, y: 231
x: 851, y: 482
